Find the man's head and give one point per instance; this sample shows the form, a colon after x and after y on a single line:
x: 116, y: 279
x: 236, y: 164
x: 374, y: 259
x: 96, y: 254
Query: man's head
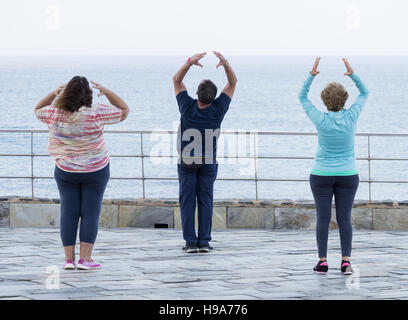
x: 334, y: 96
x: 206, y: 92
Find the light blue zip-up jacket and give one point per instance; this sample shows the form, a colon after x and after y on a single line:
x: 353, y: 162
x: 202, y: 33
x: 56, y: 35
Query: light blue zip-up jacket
x: 335, y: 154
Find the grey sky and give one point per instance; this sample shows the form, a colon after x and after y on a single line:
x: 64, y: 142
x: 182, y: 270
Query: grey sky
x: 316, y: 27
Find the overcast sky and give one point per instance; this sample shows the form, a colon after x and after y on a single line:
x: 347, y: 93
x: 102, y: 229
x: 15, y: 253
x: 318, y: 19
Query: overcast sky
x: 315, y: 27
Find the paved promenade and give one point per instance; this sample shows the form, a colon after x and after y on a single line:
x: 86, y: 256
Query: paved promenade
x: 246, y: 264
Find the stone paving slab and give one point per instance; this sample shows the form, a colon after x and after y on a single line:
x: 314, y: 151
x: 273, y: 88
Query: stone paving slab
x: 246, y: 264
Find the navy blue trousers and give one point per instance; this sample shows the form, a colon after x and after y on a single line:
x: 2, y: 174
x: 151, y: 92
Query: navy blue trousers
x: 196, y: 186
x: 81, y: 196
x: 344, y: 189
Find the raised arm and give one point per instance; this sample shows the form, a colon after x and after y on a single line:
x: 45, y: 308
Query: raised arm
x: 358, y: 105
x: 311, y: 111
x: 49, y: 98
x: 179, y: 76
x: 113, y: 98
x: 232, y: 79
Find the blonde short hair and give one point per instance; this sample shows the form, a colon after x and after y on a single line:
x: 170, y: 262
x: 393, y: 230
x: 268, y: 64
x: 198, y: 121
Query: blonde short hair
x: 334, y: 96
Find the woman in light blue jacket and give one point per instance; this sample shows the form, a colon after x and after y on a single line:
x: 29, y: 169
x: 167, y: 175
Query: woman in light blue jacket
x: 334, y: 171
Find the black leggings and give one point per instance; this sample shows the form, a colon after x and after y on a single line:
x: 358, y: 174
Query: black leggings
x: 81, y: 195
x: 344, y: 189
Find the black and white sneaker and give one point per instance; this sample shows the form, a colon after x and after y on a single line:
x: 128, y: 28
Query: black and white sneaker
x: 205, y: 248
x: 190, y: 248
x: 346, y: 267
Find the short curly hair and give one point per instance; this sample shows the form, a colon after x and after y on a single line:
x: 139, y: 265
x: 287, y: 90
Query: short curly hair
x: 334, y: 96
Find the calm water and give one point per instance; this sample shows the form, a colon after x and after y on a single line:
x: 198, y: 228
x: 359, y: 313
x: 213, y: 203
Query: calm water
x: 265, y: 99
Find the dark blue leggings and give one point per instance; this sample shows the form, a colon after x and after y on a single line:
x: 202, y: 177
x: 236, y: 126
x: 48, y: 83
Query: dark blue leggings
x: 344, y: 189
x: 81, y: 196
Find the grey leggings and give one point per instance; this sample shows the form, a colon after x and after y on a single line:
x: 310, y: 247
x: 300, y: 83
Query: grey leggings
x: 344, y: 189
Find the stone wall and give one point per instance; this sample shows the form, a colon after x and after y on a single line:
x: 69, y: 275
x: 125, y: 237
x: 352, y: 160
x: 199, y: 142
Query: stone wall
x: 133, y: 213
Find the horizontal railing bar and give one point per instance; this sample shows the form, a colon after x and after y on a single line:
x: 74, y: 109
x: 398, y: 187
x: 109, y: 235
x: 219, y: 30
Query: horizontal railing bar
x: 47, y: 155
x: 225, y: 157
x: 372, y: 134
x: 220, y: 179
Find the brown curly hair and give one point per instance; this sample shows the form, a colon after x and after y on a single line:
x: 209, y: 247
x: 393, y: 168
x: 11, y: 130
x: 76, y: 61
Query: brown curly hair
x: 77, y: 93
x: 334, y: 96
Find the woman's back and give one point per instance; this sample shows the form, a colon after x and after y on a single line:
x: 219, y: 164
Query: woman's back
x: 336, y: 140
x: 336, y: 131
x: 76, y: 139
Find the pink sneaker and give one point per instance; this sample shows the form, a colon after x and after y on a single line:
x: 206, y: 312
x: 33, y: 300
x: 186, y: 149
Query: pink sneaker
x: 69, y: 265
x: 86, y: 265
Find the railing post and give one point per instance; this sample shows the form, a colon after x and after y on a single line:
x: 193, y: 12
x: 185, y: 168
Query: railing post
x: 369, y: 167
x: 256, y: 169
x: 142, y: 157
x: 32, y: 163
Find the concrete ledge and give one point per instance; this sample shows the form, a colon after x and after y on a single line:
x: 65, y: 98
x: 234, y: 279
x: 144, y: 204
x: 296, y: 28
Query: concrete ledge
x: 274, y: 214
x: 285, y: 203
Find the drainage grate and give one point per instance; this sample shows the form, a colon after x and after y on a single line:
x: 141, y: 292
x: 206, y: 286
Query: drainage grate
x: 161, y: 225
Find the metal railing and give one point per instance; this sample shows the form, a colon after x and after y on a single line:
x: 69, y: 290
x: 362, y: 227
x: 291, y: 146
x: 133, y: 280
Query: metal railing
x: 369, y: 158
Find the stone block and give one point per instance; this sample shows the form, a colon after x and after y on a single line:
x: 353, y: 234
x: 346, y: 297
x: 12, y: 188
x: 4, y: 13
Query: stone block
x: 361, y: 218
x: 219, y: 220
x: 48, y: 215
x: 247, y: 217
x: 4, y: 215
x: 269, y: 218
x: 390, y: 219
x: 295, y: 218
x: 145, y: 216
x: 34, y: 215
x: 109, y: 216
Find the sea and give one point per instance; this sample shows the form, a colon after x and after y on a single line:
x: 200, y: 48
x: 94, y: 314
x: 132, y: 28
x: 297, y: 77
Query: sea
x: 266, y: 100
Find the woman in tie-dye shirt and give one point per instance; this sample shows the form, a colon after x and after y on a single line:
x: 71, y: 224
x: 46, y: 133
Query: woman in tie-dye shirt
x: 77, y: 144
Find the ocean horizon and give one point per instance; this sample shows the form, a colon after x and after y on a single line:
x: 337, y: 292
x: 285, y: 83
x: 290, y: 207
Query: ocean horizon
x: 265, y: 100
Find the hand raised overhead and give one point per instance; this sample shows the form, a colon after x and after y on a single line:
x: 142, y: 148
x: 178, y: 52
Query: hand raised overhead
x: 99, y: 87
x: 194, y: 60
x: 315, y: 66
x: 223, y: 60
x: 61, y: 88
x: 350, y: 70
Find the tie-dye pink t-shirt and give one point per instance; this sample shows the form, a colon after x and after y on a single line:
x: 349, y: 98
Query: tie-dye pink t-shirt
x: 76, y: 139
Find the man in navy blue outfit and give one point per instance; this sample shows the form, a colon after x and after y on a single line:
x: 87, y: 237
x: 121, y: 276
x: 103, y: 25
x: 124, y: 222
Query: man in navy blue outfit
x: 197, y: 168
